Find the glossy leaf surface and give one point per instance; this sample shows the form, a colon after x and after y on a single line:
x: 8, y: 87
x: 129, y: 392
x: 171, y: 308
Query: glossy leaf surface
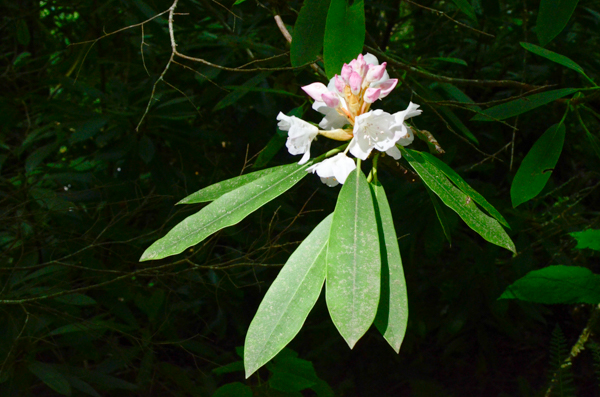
x: 353, y: 260
x: 227, y: 210
x: 392, y: 313
x: 487, y: 227
x: 309, y: 31
x: 537, y: 166
x: 344, y: 34
x: 288, y: 301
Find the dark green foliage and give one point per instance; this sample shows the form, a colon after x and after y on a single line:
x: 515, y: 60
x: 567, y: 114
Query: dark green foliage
x: 561, y: 376
x: 84, y: 191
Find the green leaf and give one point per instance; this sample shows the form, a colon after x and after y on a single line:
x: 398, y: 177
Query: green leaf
x: 537, y: 166
x: 449, y: 60
x: 353, y: 260
x: 214, y: 191
x: 288, y: 301
x: 392, y: 313
x: 467, y: 8
x: 51, y: 377
x: 291, y: 374
x: 88, y: 327
x: 487, y: 227
x: 238, y: 94
x: 227, y: 210
x: 89, y: 129
x: 344, y: 34
x: 76, y: 299
x: 238, y: 2
x: 23, y: 36
x: 464, y: 187
x: 439, y: 211
x: 235, y: 366
x: 522, y: 105
x: 556, y: 284
x: 235, y: 389
x: 552, y: 18
x: 587, y: 239
x: 82, y: 386
x: 38, y: 156
x: 309, y: 32
x: 554, y: 57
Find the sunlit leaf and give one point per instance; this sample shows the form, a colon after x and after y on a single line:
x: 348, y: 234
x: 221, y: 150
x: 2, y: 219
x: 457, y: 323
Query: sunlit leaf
x: 227, y: 210
x: 537, y: 166
x: 353, y: 260
x: 553, y: 16
x: 216, y: 190
x: 556, y: 284
x: 522, y: 105
x: 392, y: 313
x: 344, y: 34
x: 465, y: 187
x: 487, y: 227
x: 288, y: 301
x: 587, y: 239
x: 309, y: 32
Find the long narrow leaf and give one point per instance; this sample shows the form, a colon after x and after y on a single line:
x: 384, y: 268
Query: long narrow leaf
x: 392, y: 313
x: 464, y: 186
x: 309, y: 31
x: 227, y: 210
x: 344, y: 34
x: 288, y: 301
x: 554, y: 57
x: 552, y: 18
x: 522, y: 105
x: 353, y: 260
x: 487, y: 227
x: 216, y: 190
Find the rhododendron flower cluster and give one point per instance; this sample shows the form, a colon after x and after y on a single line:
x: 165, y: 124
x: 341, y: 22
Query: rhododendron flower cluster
x: 345, y: 103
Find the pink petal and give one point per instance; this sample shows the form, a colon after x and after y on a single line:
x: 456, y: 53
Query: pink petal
x: 387, y: 87
x: 346, y: 72
x: 339, y: 84
x: 315, y: 90
x: 355, y: 82
x: 375, y: 73
x: 331, y: 100
x: 372, y: 94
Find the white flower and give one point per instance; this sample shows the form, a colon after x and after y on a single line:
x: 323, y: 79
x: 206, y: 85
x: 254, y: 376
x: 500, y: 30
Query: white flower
x: 406, y: 136
x: 375, y: 130
x: 332, y: 119
x: 334, y: 170
x: 300, y: 135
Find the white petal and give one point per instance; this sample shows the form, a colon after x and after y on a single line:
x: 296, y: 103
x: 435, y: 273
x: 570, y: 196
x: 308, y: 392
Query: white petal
x: 394, y: 152
x: 358, y: 151
x: 306, y: 156
x: 371, y: 59
x: 332, y: 118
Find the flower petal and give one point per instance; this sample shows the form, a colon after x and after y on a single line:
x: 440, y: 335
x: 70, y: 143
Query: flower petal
x: 371, y: 59
x: 315, y: 90
x: 394, y: 152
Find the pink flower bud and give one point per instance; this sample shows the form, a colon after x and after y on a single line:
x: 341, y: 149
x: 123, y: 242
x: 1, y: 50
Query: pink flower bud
x: 355, y: 82
x: 372, y: 94
x: 359, y: 65
x: 375, y: 72
x: 339, y: 84
x: 330, y: 99
x: 346, y: 72
x: 315, y: 90
x: 387, y: 87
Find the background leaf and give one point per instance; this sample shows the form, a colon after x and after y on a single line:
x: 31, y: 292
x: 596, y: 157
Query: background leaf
x: 556, y: 284
x: 353, y: 260
x: 554, y: 57
x: 288, y: 301
x: 309, y: 32
x: 587, y: 239
x: 344, y: 34
x: 537, y: 166
x: 522, y: 105
x: 48, y: 374
x: 552, y: 18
